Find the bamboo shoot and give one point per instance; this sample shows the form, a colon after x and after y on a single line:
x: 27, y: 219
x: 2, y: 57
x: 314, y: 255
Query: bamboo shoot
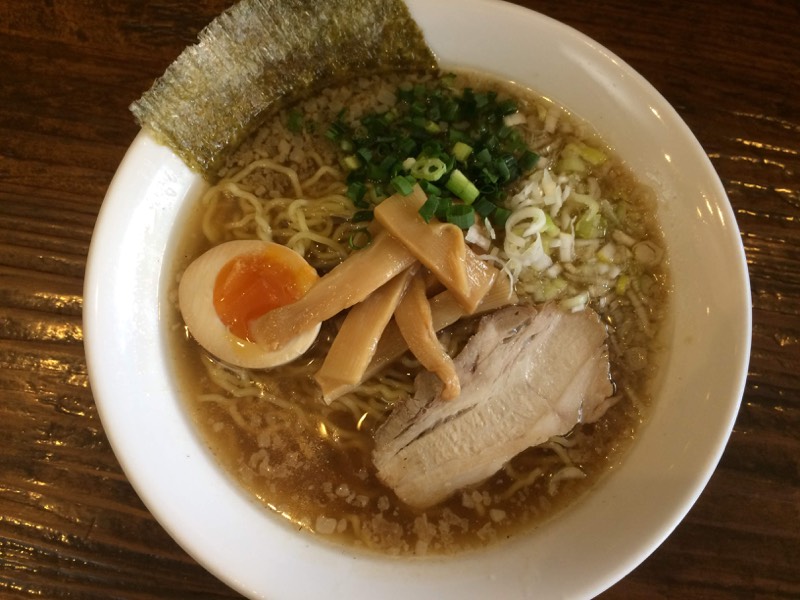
x: 445, y: 311
x: 355, y: 344
x: 438, y: 246
x: 414, y: 320
x: 347, y: 284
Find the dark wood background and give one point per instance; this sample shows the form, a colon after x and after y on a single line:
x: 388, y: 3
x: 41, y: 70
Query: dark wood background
x: 70, y: 524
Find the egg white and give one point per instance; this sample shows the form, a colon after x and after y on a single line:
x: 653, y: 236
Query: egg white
x: 196, y: 301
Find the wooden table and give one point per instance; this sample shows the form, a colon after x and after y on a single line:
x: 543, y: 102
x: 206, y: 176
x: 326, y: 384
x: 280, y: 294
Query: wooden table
x: 70, y: 524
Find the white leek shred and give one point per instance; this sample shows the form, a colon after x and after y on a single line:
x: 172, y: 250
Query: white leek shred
x: 476, y: 236
x: 551, y: 120
x: 570, y: 472
x: 516, y: 118
x: 576, y: 303
x: 489, y: 229
x: 566, y: 246
x: 563, y: 239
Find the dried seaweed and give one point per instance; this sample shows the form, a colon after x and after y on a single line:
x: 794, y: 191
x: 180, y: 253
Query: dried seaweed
x: 260, y: 54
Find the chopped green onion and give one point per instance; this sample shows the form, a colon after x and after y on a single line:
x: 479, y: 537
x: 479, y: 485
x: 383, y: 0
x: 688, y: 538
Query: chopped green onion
x: 462, y: 187
x: 295, y: 121
x: 483, y: 207
x: 428, y: 210
x: 507, y: 107
x: 461, y: 151
x: 402, y: 185
x: 481, y: 99
x: 356, y: 191
x: 352, y: 162
x: 456, y: 135
x: 336, y: 130
x: 501, y: 215
x: 364, y: 153
x: 528, y: 160
x: 432, y: 127
x: 436, y: 132
x: 484, y: 157
x: 376, y: 172
x: 361, y: 216
x: 444, y: 205
x: 429, y: 188
x: 429, y: 169
x: 461, y: 215
x: 505, y: 132
x: 407, y: 147
x: 502, y: 170
x: 431, y: 148
x: 359, y: 238
x: 490, y: 176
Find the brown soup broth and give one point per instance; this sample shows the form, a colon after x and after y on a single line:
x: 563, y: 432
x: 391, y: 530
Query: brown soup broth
x: 310, y: 463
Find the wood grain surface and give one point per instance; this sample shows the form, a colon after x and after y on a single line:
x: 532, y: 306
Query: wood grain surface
x: 71, y: 526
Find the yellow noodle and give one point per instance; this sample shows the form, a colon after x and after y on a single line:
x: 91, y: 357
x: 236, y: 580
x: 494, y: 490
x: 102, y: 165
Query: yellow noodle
x: 339, y: 251
x: 314, y: 155
x: 521, y: 482
x: 561, y: 475
x: 321, y: 172
x: 560, y: 451
x: 266, y: 163
x: 209, y: 216
x: 229, y: 407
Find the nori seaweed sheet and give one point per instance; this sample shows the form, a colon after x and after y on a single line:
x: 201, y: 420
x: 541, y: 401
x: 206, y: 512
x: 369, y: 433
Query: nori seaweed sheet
x: 260, y: 54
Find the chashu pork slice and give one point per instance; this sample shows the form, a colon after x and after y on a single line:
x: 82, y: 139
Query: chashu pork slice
x: 525, y: 377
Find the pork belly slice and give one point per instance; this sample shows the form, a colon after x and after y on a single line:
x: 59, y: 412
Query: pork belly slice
x: 525, y: 377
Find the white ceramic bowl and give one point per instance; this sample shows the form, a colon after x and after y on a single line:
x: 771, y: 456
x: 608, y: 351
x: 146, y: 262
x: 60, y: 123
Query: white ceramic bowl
x: 587, y: 548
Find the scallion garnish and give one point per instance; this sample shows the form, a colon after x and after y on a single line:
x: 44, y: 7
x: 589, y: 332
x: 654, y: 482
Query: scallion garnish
x: 436, y: 133
x: 461, y: 151
x: 352, y: 162
x: 361, y: 216
x: 484, y: 157
x: 336, y: 130
x: 359, y: 238
x: 500, y: 216
x: 356, y: 191
x: 462, y: 187
x: 461, y: 215
x: 402, y: 185
x: 428, y: 210
x: 528, y: 160
x: 430, y: 189
x: 295, y: 121
x: 364, y: 153
x: 429, y: 169
x: 483, y: 207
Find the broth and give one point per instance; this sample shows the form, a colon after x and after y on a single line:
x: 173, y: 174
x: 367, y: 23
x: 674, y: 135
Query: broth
x: 310, y: 463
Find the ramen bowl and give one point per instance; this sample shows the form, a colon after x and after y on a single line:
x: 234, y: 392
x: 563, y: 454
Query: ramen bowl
x: 585, y: 548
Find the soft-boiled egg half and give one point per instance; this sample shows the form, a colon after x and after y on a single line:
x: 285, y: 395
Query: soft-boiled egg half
x: 236, y: 282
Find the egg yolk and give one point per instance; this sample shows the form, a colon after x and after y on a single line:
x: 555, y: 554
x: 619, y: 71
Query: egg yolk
x: 251, y: 285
